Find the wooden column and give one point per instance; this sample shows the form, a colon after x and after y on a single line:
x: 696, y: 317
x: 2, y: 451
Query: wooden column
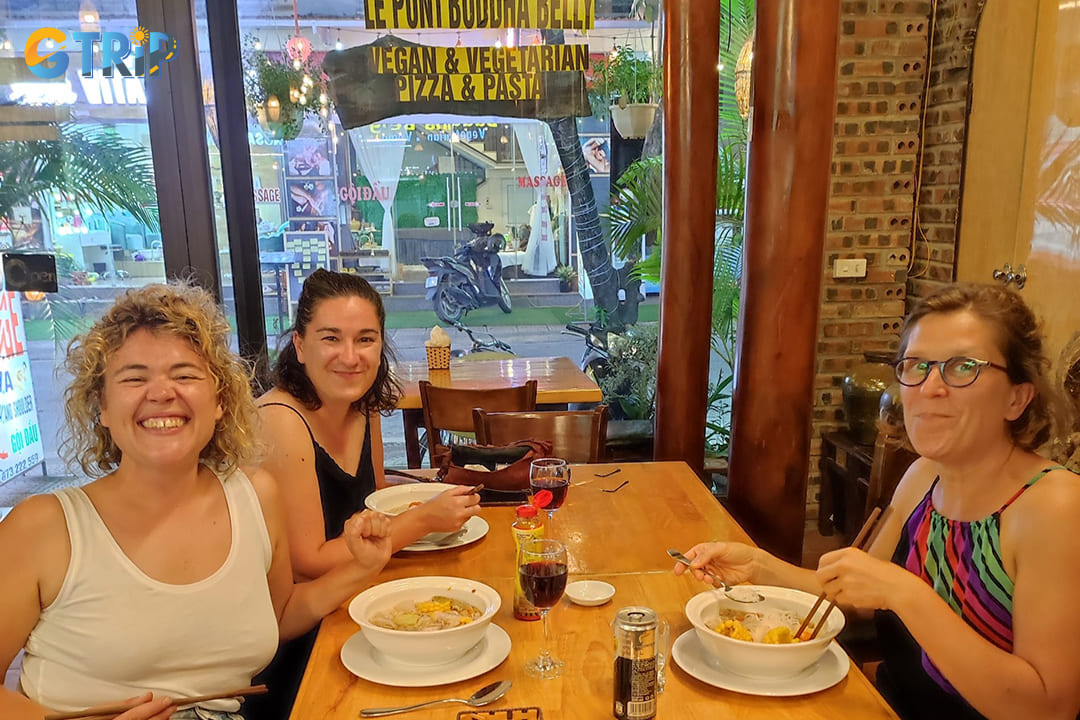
x: 691, y: 48
x: 794, y: 78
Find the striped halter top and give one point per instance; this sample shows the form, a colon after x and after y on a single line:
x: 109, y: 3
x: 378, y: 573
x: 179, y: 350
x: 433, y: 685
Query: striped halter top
x: 962, y: 562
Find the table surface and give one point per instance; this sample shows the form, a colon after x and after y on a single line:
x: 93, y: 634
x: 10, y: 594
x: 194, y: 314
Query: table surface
x: 618, y: 537
x: 559, y: 380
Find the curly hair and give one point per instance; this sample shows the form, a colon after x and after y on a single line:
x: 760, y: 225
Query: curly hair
x: 1020, y: 339
x: 289, y: 373
x: 179, y: 309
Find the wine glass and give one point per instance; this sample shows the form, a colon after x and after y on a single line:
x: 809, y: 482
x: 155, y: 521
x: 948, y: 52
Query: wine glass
x: 550, y: 474
x: 542, y: 570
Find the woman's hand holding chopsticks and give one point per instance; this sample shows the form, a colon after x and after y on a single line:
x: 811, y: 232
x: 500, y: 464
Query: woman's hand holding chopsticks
x: 853, y: 578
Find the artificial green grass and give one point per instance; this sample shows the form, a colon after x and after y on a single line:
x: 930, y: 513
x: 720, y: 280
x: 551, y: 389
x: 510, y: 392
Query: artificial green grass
x: 495, y: 317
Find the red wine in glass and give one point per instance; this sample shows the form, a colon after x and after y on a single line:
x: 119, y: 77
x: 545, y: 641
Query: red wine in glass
x: 558, y: 487
x: 541, y: 566
x: 543, y: 581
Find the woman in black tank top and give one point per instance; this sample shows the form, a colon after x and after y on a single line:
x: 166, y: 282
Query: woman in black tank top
x: 321, y: 424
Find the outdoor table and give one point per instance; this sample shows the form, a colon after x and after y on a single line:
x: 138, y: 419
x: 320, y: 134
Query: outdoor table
x: 618, y: 537
x: 559, y: 381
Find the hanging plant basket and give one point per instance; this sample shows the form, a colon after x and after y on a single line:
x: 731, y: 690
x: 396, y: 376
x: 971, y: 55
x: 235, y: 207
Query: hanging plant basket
x: 634, y: 120
x: 287, y: 126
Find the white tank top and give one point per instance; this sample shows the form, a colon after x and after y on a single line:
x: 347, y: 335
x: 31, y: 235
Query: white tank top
x: 114, y: 633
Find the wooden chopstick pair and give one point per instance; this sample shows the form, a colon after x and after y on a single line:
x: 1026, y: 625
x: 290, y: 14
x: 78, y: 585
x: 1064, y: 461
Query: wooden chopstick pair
x: 106, y: 712
x: 876, y: 515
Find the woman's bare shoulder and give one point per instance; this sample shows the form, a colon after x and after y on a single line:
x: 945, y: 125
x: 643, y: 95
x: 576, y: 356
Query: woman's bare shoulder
x: 41, y: 511
x: 1057, y: 490
x: 35, y: 531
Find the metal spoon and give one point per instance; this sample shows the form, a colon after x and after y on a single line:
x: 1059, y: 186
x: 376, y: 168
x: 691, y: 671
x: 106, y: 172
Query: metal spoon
x: 484, y: 696
x: 738, y: 594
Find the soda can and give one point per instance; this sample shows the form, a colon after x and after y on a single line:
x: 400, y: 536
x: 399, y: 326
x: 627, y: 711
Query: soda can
x: 635, y: 663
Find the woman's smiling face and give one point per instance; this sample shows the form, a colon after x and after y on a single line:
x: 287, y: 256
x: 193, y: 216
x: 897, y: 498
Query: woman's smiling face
x: 341, y: 348
x: 159, y: 399
x: 958, y: 424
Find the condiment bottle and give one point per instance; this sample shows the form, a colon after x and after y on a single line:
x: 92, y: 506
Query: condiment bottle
x: 528, y: 525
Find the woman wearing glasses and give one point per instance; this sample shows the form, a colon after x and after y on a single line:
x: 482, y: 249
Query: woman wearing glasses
x: 975, y: 572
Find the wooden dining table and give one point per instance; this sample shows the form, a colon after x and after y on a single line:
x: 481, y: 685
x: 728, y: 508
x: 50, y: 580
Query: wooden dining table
x: 620, y: 537
x: 558, y: 381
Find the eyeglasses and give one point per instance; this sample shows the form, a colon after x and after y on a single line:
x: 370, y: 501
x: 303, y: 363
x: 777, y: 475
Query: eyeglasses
x: 957, y: 372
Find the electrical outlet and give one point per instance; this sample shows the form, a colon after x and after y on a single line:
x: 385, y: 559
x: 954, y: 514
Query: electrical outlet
x: 849, y: 268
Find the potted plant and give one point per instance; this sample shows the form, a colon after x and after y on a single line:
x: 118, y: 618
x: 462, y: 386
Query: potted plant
x: 567, y: 278
x: 281, y: 90
x: 627, y: 87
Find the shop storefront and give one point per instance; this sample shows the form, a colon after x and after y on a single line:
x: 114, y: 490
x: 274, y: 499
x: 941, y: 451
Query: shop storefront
x: 123, y: 202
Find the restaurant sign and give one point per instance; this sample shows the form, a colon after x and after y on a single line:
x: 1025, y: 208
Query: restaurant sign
x: 20, y: 437
x: 480, y: 14
x: 392, y: 76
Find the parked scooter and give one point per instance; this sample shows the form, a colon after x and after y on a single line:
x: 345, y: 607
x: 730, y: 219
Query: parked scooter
x: 594, y: 361
x: 472, y: 278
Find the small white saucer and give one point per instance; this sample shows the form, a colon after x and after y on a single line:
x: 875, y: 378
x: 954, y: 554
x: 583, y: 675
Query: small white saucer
x: 589, y: 592
x: 475, y: 528
x: 692, y: 657
x: 364, y: 661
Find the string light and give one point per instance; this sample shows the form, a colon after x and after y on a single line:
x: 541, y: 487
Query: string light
x: 458, y: 44
x: 257, y: 44
x: 338, y: 45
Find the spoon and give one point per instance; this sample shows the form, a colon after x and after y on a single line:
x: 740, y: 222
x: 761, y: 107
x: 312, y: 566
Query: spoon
x: 738, y: 594
x: 484, y: 696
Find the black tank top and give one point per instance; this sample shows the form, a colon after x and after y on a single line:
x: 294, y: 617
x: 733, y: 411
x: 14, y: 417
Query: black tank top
x: 341, y: 494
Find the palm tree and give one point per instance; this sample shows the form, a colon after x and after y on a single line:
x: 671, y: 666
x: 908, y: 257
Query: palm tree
x: 94, y: 167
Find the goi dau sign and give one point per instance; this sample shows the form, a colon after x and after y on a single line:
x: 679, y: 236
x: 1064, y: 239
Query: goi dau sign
x: 480, y: 14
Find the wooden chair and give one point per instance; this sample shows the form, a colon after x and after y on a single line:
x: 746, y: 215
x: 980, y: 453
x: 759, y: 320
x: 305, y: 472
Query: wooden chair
x: 451, y: 409
x: 577, y: 436
x: 890, y: 461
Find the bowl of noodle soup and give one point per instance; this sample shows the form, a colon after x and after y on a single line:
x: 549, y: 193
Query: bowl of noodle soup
x: 757, y: 639
x: 396, y: 499
x: 425, y: 620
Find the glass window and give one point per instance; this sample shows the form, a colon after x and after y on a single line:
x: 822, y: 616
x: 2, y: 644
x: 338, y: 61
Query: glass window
x: 77, y: 182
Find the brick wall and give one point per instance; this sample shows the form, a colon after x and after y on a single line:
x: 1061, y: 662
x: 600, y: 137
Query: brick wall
x: 882, y: 72
x: 943, y: 143
x: 881, y: 59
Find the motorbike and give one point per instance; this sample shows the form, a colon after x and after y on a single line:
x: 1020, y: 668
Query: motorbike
x: 470, y: 279
x: 594, y: 360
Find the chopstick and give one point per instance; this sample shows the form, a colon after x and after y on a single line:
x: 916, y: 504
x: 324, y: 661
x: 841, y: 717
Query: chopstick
x: 476, y: 489
x: 861, y: 539
x: 101, y: 712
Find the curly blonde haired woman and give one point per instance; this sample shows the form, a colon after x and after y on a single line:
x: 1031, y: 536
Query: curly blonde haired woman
x: 169, y: 575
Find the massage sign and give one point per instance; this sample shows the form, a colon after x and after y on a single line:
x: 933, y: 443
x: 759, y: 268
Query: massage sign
x: 393, y: 76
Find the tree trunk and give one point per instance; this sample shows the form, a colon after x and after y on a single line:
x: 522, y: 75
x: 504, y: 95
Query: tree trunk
x: 595, y: 253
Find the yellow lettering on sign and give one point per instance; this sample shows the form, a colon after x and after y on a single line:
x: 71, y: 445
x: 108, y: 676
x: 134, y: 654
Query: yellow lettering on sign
x: 468, y: 88
x: 480, y: 14
x: 420, y: 60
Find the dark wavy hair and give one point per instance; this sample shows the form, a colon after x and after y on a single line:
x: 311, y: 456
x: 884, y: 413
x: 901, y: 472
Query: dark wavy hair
x: 1020, y: 339
x: 289, y: 373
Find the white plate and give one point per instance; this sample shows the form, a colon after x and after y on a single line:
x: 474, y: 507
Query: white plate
x: 589, y: 592
x: 692, y: 657
x: 475, y: 528
x: 364, y: 661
